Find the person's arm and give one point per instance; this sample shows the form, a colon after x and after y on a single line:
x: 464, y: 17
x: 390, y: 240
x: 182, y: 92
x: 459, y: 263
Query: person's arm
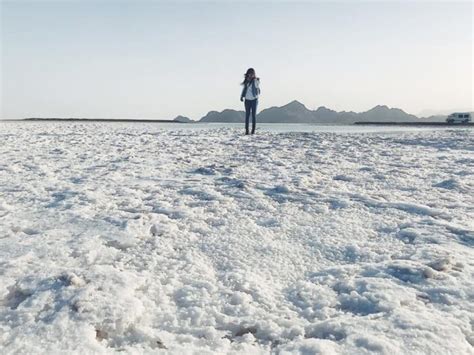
x: 242, y: 93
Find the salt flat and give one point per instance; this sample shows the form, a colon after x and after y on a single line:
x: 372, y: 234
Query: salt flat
x: 135, y: 239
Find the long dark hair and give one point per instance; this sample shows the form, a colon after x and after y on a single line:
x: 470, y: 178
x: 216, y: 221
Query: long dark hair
x: 247, y: 75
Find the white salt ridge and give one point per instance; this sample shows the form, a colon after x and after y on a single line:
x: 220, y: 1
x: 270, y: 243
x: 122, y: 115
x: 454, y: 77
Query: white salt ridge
x: 129, y: 238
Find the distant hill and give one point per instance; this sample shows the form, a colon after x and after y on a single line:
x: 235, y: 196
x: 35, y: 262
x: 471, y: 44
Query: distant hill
x: 296, y: 112
x: 224, y: 116
x: 183, y: 119
x: 325, y: 115
x: 382, y: 113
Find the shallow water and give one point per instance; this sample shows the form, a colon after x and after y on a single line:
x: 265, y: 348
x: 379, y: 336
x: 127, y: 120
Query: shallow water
x: 267, y: 127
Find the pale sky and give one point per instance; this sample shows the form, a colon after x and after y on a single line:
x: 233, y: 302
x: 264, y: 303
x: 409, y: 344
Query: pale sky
x: 152, y: 59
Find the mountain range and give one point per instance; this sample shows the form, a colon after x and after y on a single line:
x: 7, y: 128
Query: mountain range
x: 296, y: 112
x: 293, y: 112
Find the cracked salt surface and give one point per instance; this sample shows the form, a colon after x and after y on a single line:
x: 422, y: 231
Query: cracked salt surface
x: 137, y: 239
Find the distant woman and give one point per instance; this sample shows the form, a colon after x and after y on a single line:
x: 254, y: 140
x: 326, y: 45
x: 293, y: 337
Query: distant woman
x: 250, y: 92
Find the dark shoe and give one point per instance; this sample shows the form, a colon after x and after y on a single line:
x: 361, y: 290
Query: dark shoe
x: 246, y: 133
x: 253, y: 132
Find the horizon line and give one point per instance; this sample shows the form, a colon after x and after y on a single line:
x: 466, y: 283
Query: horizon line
x: 230, y: 109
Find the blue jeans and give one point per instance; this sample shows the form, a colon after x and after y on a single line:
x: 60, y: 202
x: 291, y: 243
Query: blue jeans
x: 250, y: 106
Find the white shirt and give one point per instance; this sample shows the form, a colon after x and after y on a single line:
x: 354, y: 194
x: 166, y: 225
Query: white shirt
x: 249, y: 94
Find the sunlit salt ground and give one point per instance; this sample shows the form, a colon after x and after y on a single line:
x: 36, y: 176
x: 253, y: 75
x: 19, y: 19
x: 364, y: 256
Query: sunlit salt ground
x: 136, y: 239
